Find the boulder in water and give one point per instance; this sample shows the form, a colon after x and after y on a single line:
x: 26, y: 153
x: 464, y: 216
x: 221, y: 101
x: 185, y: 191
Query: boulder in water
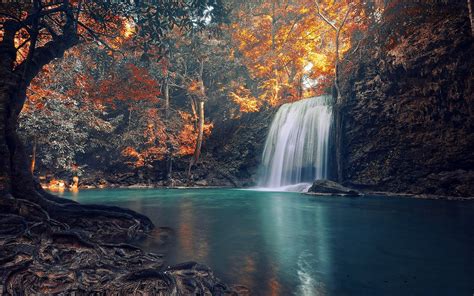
x: 328, y: 187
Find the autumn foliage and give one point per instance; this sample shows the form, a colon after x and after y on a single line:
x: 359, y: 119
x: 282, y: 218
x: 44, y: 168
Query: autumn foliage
x: 289, y: 49
x: 272, y: 52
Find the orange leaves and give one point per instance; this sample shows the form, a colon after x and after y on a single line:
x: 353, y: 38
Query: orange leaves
x: 186, y: 139
x: 131, y: 152
x: 153, y: 143
x: 22, y: 44
x: 278, y: 40
x: 194, y: 87
x: 177, y: 137
x: 243, y: 97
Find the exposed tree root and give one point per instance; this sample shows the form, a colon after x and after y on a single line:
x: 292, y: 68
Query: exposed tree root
x: 79, y: 249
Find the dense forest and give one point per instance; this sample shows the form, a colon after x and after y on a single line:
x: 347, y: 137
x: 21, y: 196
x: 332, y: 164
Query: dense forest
x: 174, y: 94
x: 114, y: 111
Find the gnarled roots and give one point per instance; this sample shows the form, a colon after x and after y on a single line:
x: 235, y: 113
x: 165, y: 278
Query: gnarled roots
x: 70, y: 248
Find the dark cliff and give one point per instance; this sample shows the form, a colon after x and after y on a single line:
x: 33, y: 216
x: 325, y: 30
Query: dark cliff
x: 409, y: 110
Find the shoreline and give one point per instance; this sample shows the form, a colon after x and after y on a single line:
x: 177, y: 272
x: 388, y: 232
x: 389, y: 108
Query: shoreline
x: 395, y: 195
x: 364, y: 193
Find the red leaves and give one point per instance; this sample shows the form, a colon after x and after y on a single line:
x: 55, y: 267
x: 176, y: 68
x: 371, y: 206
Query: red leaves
x: 127, y: 83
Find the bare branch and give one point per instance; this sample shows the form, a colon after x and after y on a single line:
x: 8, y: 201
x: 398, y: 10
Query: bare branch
x: 324, y: 18
x: 345, y: 18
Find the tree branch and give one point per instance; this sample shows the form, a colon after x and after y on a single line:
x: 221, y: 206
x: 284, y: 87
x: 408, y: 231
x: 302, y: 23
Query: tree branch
x: 323, y: 17
x: 96, y: 37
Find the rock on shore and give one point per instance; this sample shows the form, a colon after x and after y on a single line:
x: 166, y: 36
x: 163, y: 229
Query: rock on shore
x: 328, y: 187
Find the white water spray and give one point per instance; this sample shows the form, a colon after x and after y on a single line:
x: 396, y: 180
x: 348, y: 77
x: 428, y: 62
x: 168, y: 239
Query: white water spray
x: 296, y: 149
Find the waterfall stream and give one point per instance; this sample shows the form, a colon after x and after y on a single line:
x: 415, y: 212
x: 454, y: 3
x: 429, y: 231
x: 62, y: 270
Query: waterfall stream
x: 296, y: 148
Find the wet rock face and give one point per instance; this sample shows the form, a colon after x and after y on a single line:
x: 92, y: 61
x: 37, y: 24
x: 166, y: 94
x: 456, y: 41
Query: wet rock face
x: 233, y: 152
x: 409, y: 115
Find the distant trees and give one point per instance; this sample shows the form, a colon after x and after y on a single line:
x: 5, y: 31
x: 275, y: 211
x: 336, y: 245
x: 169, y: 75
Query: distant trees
x: 155, y: 105
x: 34, y: 34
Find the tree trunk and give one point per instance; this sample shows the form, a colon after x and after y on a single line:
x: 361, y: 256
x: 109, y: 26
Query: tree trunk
x: 197, y: 150
x: 169, y: 145
x: 5, y: 160
x: 130, y: 110
x: 338, y: 114
x: 166, y: 94
x: 336, y: 70
x: 22, y: 200
x: 339, y: 117
x: 16, y: 178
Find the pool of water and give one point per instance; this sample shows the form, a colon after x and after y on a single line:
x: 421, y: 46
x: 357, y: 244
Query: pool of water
x: 281, y: 243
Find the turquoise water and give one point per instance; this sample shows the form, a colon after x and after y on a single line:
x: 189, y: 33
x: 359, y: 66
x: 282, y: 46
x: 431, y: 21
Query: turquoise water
x: 280, y: 243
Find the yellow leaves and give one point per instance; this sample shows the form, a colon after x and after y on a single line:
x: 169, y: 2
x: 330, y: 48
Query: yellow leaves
x: 303, y: 10
x: 128, y: 29
x: 247, y: 103
x: 208, y: 128
x: 186, y: 139
x: 322, y: 63
x: 278, y: 39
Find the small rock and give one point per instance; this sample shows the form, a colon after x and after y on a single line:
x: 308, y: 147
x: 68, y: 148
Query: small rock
x: 201, y: 183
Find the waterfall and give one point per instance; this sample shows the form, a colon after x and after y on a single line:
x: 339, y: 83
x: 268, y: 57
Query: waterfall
x: 296, y: 148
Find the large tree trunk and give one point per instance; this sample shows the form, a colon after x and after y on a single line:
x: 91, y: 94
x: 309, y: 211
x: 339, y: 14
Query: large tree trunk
x: 5, y: 160
x: 16, y: 177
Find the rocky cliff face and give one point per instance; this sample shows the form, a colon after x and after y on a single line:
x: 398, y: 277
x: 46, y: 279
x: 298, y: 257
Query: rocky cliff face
x: 234, y: 151
x: 409, y: 112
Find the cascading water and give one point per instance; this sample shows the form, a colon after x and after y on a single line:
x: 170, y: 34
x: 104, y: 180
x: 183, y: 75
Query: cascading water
x: 296, y: 148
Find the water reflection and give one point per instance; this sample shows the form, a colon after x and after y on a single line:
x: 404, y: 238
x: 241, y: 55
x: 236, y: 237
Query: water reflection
x: 289, y: 230
x: 273, y: 286
x: 289, y: 244
x: 247, y: 274
x: 74, y: 193
x: 192, y: 242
